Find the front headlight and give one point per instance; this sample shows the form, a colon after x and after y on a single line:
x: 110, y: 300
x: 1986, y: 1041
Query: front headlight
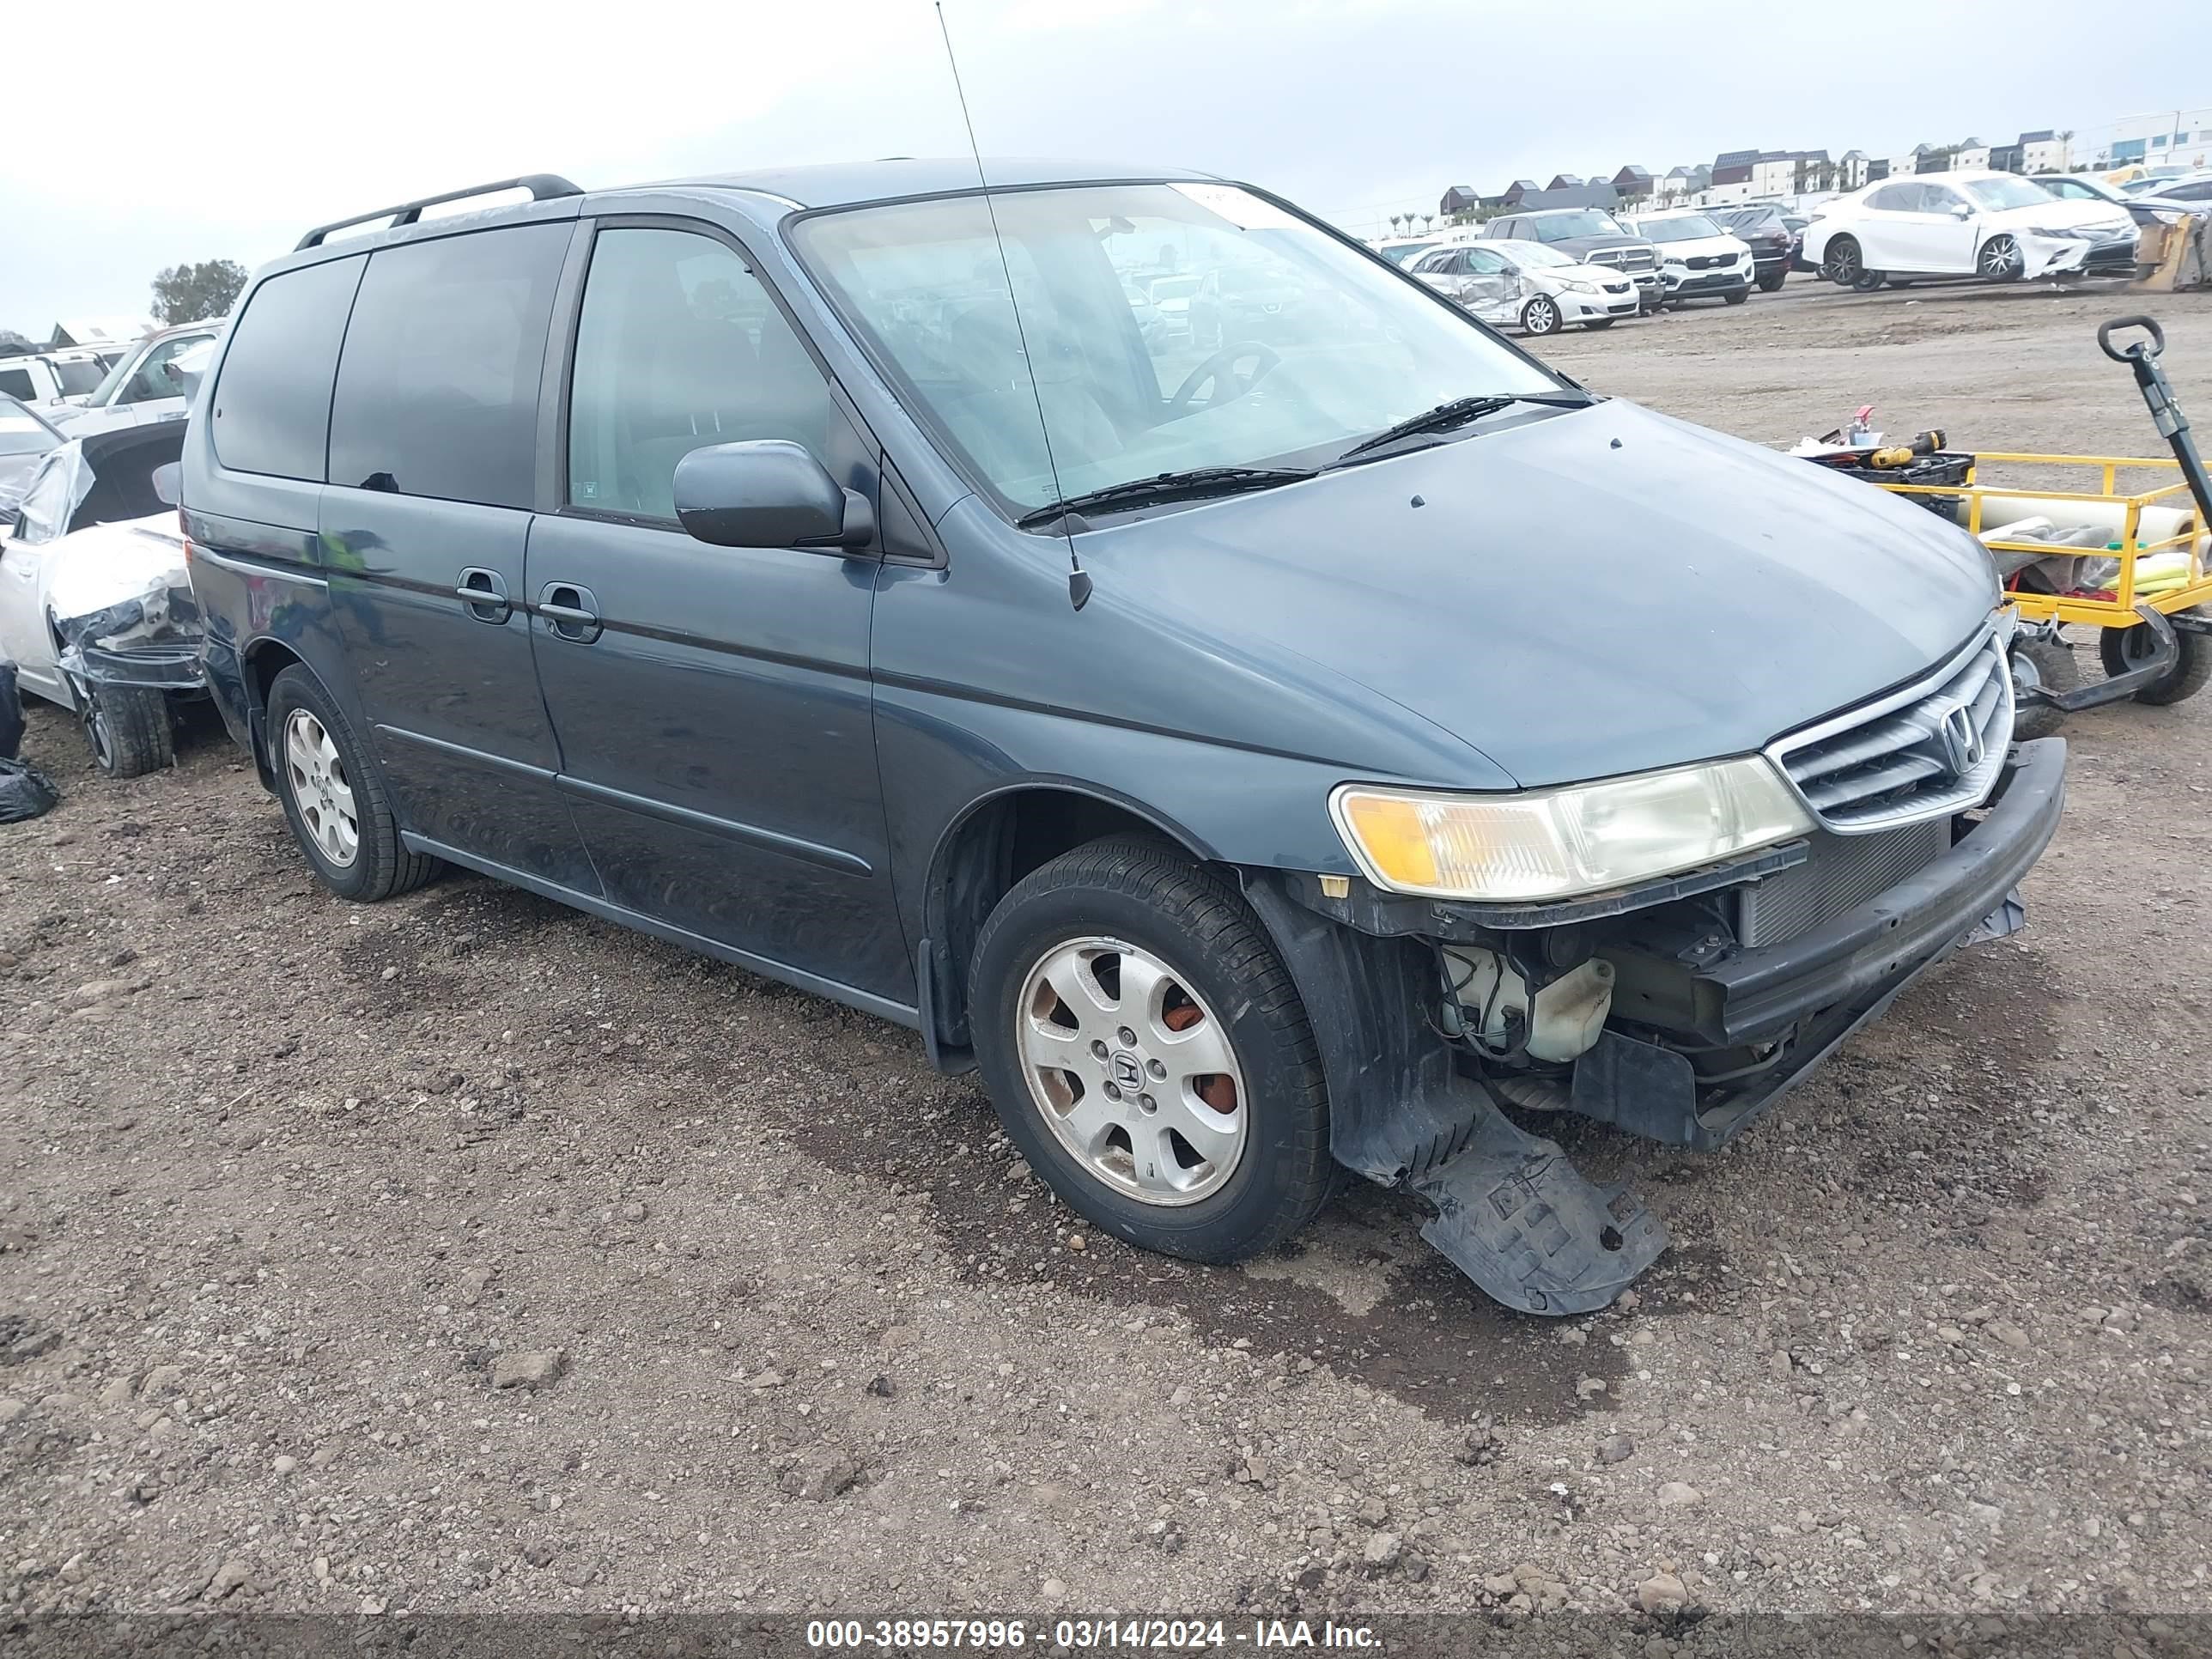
x: 1555, y: 843
x: 1672, y: 259
x: 1579, y: 284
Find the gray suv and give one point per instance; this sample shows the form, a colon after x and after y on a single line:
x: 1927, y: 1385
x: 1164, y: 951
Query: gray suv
x: 1594, y: 238
x: 1258, y: 759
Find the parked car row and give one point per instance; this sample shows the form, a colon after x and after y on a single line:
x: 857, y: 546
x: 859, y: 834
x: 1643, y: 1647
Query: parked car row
x: 1541, y: 271
x: 87, y: 389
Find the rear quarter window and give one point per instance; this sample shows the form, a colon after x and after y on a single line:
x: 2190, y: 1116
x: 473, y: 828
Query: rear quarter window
x: 272, y: 402
x: 437, y: 389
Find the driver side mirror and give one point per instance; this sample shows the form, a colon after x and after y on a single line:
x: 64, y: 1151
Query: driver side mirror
x: 768, y: 492
x: 167, y: 485
x: 1960, y: 210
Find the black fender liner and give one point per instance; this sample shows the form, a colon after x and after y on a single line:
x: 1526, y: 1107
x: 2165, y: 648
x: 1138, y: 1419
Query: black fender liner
x: 1512, y: 1213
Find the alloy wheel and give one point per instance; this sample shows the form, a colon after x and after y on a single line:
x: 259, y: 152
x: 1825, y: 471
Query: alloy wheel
x: 2000, y: 259
x: 315, y: 773
x: 1133, y: 1072
x: 1542, y: 317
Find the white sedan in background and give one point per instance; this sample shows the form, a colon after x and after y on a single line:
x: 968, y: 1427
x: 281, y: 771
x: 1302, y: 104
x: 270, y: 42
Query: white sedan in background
x: 1996, y: 226
x: 1541, y: 290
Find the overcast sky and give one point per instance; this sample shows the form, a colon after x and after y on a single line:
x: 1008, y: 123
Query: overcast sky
x: 177, y: 136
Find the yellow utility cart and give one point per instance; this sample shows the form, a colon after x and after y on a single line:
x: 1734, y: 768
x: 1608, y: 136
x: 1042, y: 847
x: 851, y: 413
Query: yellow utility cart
x: 2127, y: 556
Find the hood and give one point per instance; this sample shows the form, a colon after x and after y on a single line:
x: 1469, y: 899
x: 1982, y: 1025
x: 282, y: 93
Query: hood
x: 1592, y: 244
x: 1703, y: 247
x: 2075, y: 214
x: 1577, y: 595
x: 121, y: 587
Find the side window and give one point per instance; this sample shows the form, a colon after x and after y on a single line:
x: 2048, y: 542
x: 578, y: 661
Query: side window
x: 272, y: 404
x: 437, y: 391
x: 1482, y: 262
x: 679, y: 346
x: 1936, y: 199
x: 150, y: 379
x: 1894, y: 198
x: 16, y: 383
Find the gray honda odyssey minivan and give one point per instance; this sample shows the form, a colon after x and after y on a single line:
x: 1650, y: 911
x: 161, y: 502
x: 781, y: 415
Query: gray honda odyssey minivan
x: 1328, y: 745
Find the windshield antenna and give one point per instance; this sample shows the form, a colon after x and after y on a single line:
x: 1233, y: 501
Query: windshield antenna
x: 1078, y: 579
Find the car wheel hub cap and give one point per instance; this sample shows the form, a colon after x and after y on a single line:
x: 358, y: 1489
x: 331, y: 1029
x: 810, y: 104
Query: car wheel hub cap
x: 316, y: 776
x: 1132, y: 1072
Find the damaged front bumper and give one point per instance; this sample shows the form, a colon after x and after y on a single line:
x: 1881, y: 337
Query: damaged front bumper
x: 150, y: 641
x: 1704, y: 1032
x: 2088, y: 254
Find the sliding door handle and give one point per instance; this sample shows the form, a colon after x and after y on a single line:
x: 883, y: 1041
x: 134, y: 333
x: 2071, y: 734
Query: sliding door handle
x: 484, y: 592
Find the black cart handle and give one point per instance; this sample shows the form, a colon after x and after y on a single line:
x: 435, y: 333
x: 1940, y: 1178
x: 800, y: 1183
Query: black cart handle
x: 2140, y: 348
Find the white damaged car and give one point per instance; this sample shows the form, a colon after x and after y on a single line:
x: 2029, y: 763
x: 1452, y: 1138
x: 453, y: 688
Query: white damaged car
x: 96, y: 603
x: 1996, y: 226
x: 1528, y: 285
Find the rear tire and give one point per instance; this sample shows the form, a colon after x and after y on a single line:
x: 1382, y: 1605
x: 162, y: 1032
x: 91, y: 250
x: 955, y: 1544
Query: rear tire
x: 334, y: 797
x: 1079, y: 921
x: 2192, y: 662
x: 128, y: 729
x: 1842, y: 263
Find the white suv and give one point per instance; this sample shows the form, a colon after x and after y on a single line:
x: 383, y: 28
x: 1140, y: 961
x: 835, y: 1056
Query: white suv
x: 1698, y: 260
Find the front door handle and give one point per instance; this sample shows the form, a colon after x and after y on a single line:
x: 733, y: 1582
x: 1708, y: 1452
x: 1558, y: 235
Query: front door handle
x: 571, y: 613
x: 484, y: 592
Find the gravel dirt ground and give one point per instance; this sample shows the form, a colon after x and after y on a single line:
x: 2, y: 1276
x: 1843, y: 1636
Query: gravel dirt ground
x: 467, y: 1253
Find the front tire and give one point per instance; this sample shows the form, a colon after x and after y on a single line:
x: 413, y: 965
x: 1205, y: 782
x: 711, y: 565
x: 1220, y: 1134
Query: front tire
x: 127, y: 728
x: 2124, y: 648
x: 1148, y: 1054
x: 1773, y: 280
x: 2000, y: 260
x: 1735, y: 296
x: 1595, y: 323
x: 1540, y: 316
x: 334, y: 797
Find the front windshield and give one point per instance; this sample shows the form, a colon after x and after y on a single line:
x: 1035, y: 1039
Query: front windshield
x: 110, y: 388
x: 1295, y: 346
x: 1558, y: 227
x: 1686, y: 227
x: 1999, y: 194
x: 78, y: 375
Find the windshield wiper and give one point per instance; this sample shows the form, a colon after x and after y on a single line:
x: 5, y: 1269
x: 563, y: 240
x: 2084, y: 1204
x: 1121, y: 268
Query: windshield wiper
x: 1458, y: 411
x: 1193, y: 483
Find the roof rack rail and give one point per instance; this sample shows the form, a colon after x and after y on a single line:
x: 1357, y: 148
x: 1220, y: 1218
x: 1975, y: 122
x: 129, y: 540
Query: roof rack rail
x: 542, y: 186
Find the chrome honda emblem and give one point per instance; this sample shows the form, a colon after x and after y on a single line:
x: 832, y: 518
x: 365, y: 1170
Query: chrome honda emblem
x: 1962, y: 740
x: 1126, y: 1072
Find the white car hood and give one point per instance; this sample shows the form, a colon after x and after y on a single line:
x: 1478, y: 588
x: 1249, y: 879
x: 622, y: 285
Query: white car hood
x: 108, y: 565
x: 2076, y: 215
x: 1703, y: 247
x: 1549, y: 277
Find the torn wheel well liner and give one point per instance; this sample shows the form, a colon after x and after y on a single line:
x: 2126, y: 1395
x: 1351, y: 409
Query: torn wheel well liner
x: 1000, y: 840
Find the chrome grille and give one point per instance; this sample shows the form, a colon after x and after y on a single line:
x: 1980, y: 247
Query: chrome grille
x: 1625, y: 259
x: 1840, y: 873
x: 1933, y: 748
